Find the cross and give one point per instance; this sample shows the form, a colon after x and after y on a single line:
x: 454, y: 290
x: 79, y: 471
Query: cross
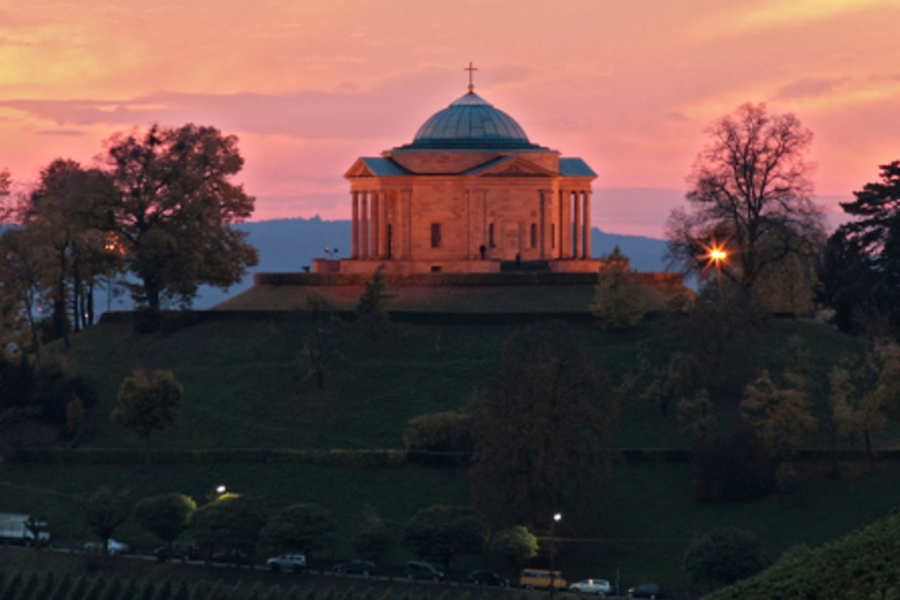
x: 470, y: 69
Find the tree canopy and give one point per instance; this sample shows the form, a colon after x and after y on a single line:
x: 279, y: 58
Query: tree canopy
x: 147, y: 403
x: 861, y: 272
x: 306, y: 528
x: 442, y: 532
x: 543, y: 429
x: 750, y: 192
x: 166, y: 516
x: 176, y: 210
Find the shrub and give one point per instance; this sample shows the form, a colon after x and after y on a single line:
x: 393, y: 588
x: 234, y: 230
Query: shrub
x: 722, y: 557
x: 306, y: 528
x: 440, y: 439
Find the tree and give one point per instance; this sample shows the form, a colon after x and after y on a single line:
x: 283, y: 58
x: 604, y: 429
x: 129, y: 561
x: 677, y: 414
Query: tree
x: 749, y: 191
x: 68, y: 214
x: 104, y: 511
x: 147, y: 403
x: 320, y: 349
x: 306, y: 528
x: 20, y: 283
x: 176, y: 210
x: 443, y: 438
x: 371, y: 312
x: 870, y: 249
x: 166, y: 516
x: 621, y: 300
x: 723, y: 556
x: 514, y: 546
x: 442, y: 532
x: 231, y: 522
x: 374, y: 537
x: 850, y: 283
x: 542, y: 429
x: 781, y: 416
x: 862, y: 407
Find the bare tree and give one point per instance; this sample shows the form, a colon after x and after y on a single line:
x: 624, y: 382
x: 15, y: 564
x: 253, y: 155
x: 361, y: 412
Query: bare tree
x: 749, y: 193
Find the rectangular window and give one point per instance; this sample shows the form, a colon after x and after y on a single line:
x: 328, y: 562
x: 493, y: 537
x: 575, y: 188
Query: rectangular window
x: 491, y: 236
x: 435, y: 268
x: 553, y: 235
x: 533, y: 235
x: 435, y: 235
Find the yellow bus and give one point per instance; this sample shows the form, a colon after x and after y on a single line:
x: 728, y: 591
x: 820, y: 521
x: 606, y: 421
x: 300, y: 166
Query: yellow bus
x: 541, y: 578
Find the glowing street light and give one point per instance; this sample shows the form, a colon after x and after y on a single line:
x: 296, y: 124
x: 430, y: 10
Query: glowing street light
x: 717, y: 255
x: 557, y: 517
x: 221, y: 489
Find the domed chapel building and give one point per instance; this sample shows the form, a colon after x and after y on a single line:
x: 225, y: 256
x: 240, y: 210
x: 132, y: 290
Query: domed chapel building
x: 451, y: 219
x: 470, y: 194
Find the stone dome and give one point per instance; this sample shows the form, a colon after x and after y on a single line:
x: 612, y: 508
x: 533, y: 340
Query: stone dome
x: 471, y: 122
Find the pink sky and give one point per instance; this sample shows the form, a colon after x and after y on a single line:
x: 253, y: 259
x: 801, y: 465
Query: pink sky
x: 310, y: 85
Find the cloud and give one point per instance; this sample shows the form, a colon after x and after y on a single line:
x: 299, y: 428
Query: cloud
x: 64, y: 132
x: 809, y: 87
x: 398, y: 104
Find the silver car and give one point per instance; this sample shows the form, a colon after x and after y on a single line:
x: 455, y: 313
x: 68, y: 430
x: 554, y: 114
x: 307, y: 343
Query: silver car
x: 287, y: 562
x: 600, y: 587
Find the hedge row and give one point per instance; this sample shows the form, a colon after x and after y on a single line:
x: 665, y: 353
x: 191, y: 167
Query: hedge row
x: 380, y: 457
x: 129, y: 456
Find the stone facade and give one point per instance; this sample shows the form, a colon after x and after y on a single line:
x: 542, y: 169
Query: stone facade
x: 467, y: 199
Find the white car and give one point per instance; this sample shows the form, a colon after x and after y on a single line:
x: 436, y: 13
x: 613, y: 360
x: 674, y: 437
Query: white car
x: 287, y: 562
x: 601, y: 587
x: 112, y: 546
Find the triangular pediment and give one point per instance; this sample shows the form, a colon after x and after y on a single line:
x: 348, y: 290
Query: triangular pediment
x: 359, y: 169
x: 513, y: 166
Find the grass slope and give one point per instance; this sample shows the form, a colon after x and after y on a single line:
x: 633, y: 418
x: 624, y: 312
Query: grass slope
x: 243, y: 388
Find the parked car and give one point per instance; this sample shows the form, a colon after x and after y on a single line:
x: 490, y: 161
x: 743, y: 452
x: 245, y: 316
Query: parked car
x: 541, y: 579
x: 600, y: 587
x: 356, y: 567
x: 177, y: 551
x: 646, y: 590
x: 287, y: 562
x: 486, y: 578
x: 422, y: 570
x: 112, y: 546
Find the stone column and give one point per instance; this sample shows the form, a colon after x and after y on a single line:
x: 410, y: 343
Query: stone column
x: 541, y: 221
x: 354, y: 236
x: 374, y: 229
x: 564, y: 225
x: 383, y: 218
x: 364, y: 226
x: 576, y: 253
x: 587, y: 224
x: 407, y: 233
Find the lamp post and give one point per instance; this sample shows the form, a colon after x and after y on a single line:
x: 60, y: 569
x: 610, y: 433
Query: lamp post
x: 557, y: 517
x: 331, y: 252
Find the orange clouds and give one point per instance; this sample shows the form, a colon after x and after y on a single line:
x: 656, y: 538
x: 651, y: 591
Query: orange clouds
x: 308, y: 86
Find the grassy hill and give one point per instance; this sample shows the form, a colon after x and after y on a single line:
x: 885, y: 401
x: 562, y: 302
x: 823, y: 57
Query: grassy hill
x: 245, y: 388
x: 861, y: 565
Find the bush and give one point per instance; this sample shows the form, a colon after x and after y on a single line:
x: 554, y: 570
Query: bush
x: 305, y: 528
x: 439, y: 439
x: 722, y: 557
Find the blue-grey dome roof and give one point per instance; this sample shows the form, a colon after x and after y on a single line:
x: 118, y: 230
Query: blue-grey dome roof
x: 470, y: 122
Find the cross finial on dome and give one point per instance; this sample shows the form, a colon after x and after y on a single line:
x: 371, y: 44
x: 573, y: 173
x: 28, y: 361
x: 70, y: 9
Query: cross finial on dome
x: 470, y: 69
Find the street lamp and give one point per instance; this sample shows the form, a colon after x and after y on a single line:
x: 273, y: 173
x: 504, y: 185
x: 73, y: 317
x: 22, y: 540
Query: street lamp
x: 557, y: 517
x: 221, y: 489
x: 331, y: 252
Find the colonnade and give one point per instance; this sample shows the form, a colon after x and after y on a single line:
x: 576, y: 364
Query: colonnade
x: 574, y: 235
x: 371, y: 233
